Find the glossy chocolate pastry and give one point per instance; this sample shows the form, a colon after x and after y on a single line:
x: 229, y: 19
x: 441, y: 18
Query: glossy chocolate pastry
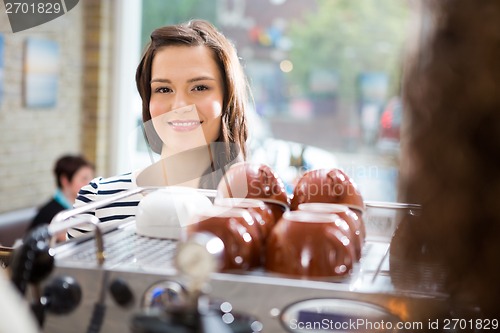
x: 360, y: 222
x: 356, y: 225
x: 255, y: 181
x: 237, y: 230
x: 260, y: 212
x: 328, y: 186
x: 306, y: 244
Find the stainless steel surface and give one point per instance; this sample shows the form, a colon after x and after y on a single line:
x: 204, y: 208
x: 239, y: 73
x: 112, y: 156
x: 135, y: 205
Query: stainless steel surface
x: 146, y: 264
x: 391, y: 205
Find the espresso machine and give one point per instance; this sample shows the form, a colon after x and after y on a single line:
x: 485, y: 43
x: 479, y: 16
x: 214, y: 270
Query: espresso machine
x: 115, y: 280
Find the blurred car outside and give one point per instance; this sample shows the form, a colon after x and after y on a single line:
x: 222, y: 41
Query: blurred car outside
x: 390, y: 126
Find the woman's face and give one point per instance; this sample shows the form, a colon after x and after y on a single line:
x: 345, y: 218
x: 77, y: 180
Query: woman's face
x: 81, y: 177
x: 186, y: 97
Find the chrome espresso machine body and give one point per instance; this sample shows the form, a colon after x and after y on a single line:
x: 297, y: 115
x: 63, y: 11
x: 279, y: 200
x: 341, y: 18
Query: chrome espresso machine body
x: 137, y: 275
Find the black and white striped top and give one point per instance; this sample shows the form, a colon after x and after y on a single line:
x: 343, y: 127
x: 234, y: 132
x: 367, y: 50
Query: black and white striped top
x: 101, y: 188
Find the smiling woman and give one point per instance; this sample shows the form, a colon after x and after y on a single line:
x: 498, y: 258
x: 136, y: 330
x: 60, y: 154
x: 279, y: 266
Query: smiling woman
x: 194, y: 95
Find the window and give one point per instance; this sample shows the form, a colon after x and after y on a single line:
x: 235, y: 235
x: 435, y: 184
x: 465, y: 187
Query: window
x: 322, y: 73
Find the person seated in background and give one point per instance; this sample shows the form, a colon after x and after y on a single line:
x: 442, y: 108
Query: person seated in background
x: 194, y: 100
x: 72, y: 172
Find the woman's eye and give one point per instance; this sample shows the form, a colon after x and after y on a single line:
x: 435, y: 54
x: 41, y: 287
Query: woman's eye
x: 162, y: 90
x: 200, y: 88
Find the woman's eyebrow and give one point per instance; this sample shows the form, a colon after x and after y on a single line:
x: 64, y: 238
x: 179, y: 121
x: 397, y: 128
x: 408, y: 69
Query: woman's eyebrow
x: 160, y: 80
x: 201, y: 78
x: 195, y: 79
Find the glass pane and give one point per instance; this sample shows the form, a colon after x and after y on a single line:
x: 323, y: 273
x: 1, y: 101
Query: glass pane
x: 325, y: 78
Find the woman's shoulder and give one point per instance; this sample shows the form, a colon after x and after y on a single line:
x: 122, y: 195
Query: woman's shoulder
x: 125, y: 180
x: 101, y: 186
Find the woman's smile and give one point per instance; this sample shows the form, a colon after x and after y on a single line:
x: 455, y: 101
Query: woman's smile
x: 184, y: 125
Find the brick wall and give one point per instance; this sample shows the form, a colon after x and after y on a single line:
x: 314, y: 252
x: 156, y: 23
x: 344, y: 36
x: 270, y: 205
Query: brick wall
x: 32, y: 139
x: 97, y: 45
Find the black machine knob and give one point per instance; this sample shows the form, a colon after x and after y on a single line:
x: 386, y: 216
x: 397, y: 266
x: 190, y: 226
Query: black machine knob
x: 43, y: 263
x: 121, y: 292
x: 62, y: 295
